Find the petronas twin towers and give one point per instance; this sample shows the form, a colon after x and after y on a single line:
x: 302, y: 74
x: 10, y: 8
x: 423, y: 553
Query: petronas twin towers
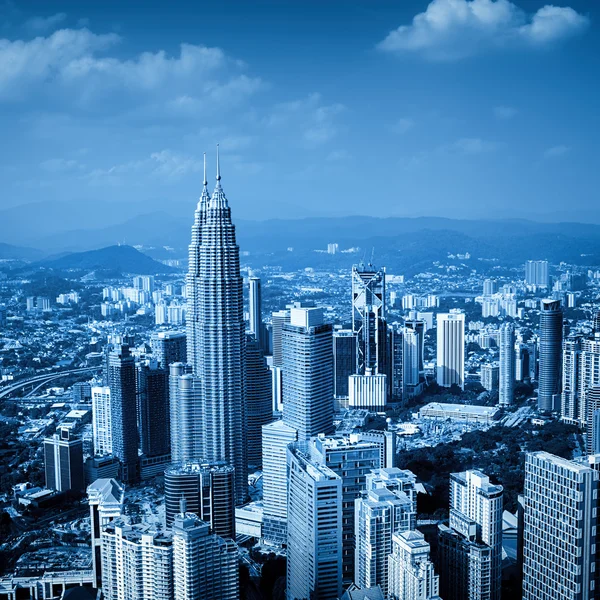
x: 209, y: 405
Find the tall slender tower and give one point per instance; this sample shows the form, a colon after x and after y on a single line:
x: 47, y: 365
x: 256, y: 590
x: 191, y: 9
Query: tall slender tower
x: 507, y: 364
x: 216, y: 334
x: 551, y: 323
x: 255, y: 309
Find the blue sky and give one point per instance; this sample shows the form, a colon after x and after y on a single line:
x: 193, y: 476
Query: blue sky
x: 460, y: 108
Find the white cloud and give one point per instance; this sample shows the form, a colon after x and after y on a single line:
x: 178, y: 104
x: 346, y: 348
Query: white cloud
x: 472, y: 146
x: 403, y: 125
x: 41, y: 24
x: 454, y: 29
x: 505, y: 112
x: 556, y: 151
x: 60, y: 165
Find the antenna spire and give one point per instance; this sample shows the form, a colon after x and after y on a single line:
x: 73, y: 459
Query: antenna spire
x: 205, y: 182
x: 218, y: 165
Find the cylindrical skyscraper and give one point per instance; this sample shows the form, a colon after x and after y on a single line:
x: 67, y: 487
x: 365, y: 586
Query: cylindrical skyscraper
x: 216, y: 335
x: 551, y: 319
x: 507, y: 364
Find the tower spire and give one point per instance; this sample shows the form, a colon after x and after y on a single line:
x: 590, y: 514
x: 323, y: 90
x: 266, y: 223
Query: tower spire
x: 205, y: 182
x: 218, y: 165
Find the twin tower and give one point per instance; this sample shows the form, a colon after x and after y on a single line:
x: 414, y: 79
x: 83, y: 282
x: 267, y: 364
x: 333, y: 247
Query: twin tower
x: 208, y: 397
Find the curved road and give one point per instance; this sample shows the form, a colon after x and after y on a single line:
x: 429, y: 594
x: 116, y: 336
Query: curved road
x: 41, y: 380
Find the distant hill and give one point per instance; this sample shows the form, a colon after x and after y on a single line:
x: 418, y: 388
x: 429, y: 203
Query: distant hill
x: 10, y: 252
x: 123, y: 259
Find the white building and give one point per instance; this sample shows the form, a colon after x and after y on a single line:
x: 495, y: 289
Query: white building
x: 204, y: 565
x: 367, y: 391
x: 411, y: 572
x: 507, y: 364
x: 560, y: 500
x: 101, y: 420
x: 314, y: 539
x: 451, y: 349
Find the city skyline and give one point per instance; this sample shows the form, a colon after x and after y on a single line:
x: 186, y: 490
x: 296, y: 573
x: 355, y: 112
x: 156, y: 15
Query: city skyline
x: 132, y: 111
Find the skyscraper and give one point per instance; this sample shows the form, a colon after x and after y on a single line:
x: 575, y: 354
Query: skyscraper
x: 560, y: 504
x: 278, y: 319
x: 507, y: 364
x: 551, y: 324
x: 411, y: 572
x: 101, y: 420
x: 216, y: 336
x: 276, y: 437
x: 153, y: 409
x: 413, y: 339
x: 255, y: 310
x: 571, y: 363
x: 259, y: 399
x: 451, y: 349
x: 307, y: 373
x: 121, y: 379
x: 589, y: 376
x: 63, y: 462
x: 204, y: 564
x: 368, y: 318
x: 536, y: 273
x: 314, y: 537
x: 470, y: 547
x: 208, y: 491
x: 344, y: 364
x: 168, y: 347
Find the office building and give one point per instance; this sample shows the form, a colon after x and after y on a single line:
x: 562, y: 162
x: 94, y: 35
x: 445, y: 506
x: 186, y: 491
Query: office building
x: 386, y: 441
x: 536, y: 273
x: 100, y: 467
x: 344, y: 364
x: 255, y: 311
x: 388, y: 506
x: 589, y: 375
x: 368, y: 319
x: 63, y: 462
x: 168, y: 347
x: 551, y: 331
x: 352, y: 458
x: 101, y: 420
x: 105, y: 499
x: 137, y: 562
x: 278, y: 319
x: 187, y: 418
x: 314, y: 536
x: 307, y: 372
x: 81, y: 392
x: 470, y: 547
x: 204, y: 564
x: 506, y: 343
x: 259, y: 399
x: 413, y: 340
x: 121, y: 377
x: 411, y: 573
x: 560, y: 506
x: 451, y: 349
x: 368, y: 391
x: 153, y: 409
x: 276, y: 438
x: 571, y: 364
x: 216, y: 335
x: 208, y: 491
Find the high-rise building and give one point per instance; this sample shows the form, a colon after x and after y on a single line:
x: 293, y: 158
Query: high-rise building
x: 216, y: 336
x: 100, y: 467
x: 105, y: 498
x: 368, y: 391
x: 490, y: 376
x: 81, y: 392
x: 204, y: 564
x: 344, y: 364
x: 451, y: 349
x: 307, y: 373
x: 352, y: 458
x: 470, y: 547
x: 596, y: 322
x: 259, y: 399
x: 101, y: 420
x: 593, y: 420
x: 560, y: 505
x: 413, y: 340
x: 536, y: 273
x: 121, y: 379
x: 411, y: 572
x: 168, y: 347
x: 208, y: 491
x: 589, y: 376
x: 276, y: 438
x: 278, y: 319
x: 186, y: 414
x: 368, y: 319
x: 507, y: 364
x: 255, y: 310
x: 490, y: 287
x: 551, y: 331
x: 63, y: 462
x: 571, y: 362
x: 137, y: 562
x: 153, y: 409
x: 388, y: 506
x: 2, y: 315
x: 314, y: 536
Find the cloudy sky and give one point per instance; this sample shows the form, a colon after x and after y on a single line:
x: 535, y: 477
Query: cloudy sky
x: 464, y: 108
